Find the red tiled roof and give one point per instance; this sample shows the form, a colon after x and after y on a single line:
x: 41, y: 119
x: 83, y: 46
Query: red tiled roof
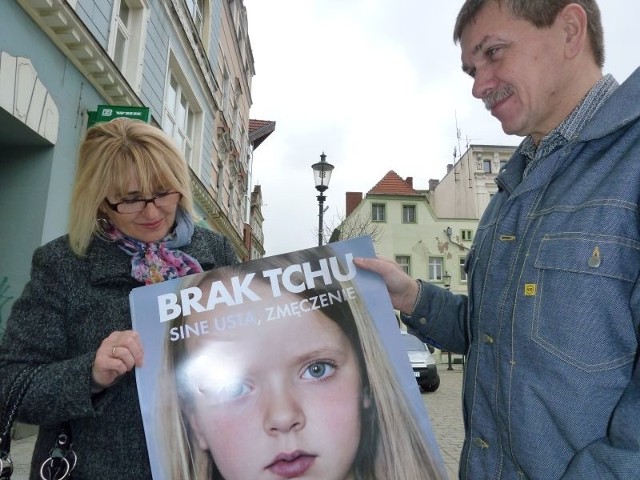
x: 256, y: 124
x: 393, y: 184
x: 259, y: 130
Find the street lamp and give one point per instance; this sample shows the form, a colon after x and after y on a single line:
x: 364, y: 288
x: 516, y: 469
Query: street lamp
x: 321, y: 175
x: 446, y: 280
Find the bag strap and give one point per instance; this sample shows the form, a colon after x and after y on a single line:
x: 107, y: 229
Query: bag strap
x: 16, y: 393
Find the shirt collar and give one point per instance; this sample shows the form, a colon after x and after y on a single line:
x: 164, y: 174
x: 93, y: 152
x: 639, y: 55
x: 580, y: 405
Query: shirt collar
x: 570, y: 126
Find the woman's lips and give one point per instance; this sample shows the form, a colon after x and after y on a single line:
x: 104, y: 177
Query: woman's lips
x: 291, y: 465
x: 152, y: 225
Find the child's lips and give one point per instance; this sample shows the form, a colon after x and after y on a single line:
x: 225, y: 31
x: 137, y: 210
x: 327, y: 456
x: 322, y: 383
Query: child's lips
x: 291, y: 465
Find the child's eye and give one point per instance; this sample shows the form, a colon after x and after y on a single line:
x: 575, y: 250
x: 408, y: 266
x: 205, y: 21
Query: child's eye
x: 222, y: 393
x: 233, y: 390
x: 318, y: 370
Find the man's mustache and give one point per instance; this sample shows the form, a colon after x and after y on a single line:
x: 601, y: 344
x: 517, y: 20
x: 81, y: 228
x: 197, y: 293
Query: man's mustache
x: 496, y: 96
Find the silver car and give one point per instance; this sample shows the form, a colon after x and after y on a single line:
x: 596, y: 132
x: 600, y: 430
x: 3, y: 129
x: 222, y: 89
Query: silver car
x: 424, y: 366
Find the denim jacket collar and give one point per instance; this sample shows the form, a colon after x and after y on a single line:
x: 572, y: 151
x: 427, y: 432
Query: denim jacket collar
x: 620, y: 109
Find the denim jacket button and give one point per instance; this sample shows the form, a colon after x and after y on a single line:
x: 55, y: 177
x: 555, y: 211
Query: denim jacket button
x: 595, y: 260
x: 486, y: 338
x: 423, y: 321
x: 480, y: 443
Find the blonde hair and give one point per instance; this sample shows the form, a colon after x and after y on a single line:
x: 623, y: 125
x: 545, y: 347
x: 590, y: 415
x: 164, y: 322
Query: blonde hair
x: 106, y: 158
x: 392, y: 446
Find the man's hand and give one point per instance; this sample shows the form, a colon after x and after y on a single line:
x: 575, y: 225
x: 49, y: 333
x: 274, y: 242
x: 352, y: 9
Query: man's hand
x: 403, y: 289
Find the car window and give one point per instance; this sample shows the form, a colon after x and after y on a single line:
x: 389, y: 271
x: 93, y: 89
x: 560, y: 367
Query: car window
x: 412, y: 342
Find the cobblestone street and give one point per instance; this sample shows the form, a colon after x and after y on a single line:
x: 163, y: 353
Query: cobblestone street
x: 445, y: 411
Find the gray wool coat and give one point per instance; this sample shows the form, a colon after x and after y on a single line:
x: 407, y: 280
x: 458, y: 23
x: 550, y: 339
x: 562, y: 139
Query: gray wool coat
x: 68, y: 307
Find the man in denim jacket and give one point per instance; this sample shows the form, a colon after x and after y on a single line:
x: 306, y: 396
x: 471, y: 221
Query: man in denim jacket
x: 550, y: 325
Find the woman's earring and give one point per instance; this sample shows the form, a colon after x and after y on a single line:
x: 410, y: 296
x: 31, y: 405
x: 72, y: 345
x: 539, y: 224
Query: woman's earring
x: 366, y: 397
x: 102, y: 227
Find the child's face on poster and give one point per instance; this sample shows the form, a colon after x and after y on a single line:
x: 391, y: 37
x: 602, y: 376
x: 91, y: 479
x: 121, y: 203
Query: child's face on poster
x: 277, y: 400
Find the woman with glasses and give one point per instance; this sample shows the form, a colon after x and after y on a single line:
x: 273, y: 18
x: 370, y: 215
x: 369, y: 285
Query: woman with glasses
x: 130, y: 225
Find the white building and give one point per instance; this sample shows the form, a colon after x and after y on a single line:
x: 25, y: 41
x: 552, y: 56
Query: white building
x: 430, y: 232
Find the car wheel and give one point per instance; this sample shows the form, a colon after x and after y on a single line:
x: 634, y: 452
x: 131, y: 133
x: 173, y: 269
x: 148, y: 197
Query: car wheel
x: 431, y: 387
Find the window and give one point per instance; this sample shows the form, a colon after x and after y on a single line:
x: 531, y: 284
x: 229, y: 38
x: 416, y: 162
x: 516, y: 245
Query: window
x: 435, y: 269
x: 463, y: 274
x: 122, y: 36
x: 178, y: 118
x: 408, y: 214
x: 405, y: 262
x: 486, y: 165
x: 181, y: 117
x: 125, y: 47
x: 226, y: 89
x: 196, y: 7
x: 378, y: 212
x: 466, y: 235
x: 502, y: 164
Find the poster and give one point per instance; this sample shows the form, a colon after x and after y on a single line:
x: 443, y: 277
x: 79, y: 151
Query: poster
x: 289, y: 366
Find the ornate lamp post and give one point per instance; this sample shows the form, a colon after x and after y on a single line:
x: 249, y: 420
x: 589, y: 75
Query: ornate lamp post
x: 321, y: 175
x: 446, y: 280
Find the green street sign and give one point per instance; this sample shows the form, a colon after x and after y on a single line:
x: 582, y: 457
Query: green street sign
x: 105, y: 113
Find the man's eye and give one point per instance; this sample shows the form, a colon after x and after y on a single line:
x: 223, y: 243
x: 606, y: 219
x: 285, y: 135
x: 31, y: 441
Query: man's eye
x: 492, y: 51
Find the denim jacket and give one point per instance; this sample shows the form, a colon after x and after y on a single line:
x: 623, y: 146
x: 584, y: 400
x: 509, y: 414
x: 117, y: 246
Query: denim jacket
x: 550, y: 326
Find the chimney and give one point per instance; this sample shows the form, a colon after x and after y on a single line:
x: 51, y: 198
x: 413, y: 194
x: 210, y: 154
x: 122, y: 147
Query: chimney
x: 409, y: 181
x: 449, y: 167
x: 353, y: 200
x: 433, y: 183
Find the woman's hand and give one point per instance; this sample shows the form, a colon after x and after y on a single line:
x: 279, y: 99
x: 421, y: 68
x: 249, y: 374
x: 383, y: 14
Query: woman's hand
x: 117, y: 355
x: 403, y: 289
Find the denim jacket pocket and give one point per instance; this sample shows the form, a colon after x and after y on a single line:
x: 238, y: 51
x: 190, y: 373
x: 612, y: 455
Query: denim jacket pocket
x: 582, y: 312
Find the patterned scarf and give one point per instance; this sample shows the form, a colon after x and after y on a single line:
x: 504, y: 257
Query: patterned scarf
x: 156, y: 262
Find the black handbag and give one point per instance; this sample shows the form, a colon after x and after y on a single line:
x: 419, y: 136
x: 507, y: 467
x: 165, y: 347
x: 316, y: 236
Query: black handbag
x: 62, y: 459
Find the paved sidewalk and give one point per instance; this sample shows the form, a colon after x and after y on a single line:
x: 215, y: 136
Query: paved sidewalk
x: 445, y: 411
x: 21, y: 454
x: 444, y: 407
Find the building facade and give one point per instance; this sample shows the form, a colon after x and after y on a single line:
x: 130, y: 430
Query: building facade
x: 188, y: 61
x: 465, y: 191
x: 429, y: 232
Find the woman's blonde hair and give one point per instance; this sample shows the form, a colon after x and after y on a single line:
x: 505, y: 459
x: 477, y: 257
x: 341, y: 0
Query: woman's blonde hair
x: 392, y: 445
x: 108, y: 155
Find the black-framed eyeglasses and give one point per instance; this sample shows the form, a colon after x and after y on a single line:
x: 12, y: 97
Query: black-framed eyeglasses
x: 137, y: 205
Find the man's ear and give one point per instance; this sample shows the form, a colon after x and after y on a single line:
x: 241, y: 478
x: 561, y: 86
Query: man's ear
x: 574, y: 25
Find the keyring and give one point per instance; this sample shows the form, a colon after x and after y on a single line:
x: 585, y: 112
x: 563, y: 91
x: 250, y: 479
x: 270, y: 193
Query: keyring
x: 50, y: 459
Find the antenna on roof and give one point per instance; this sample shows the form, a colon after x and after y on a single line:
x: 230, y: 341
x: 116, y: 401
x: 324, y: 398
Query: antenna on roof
x: 458, y: 136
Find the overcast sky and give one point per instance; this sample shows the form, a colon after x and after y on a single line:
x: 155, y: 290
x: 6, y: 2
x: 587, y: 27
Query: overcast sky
x: 377, y: 86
